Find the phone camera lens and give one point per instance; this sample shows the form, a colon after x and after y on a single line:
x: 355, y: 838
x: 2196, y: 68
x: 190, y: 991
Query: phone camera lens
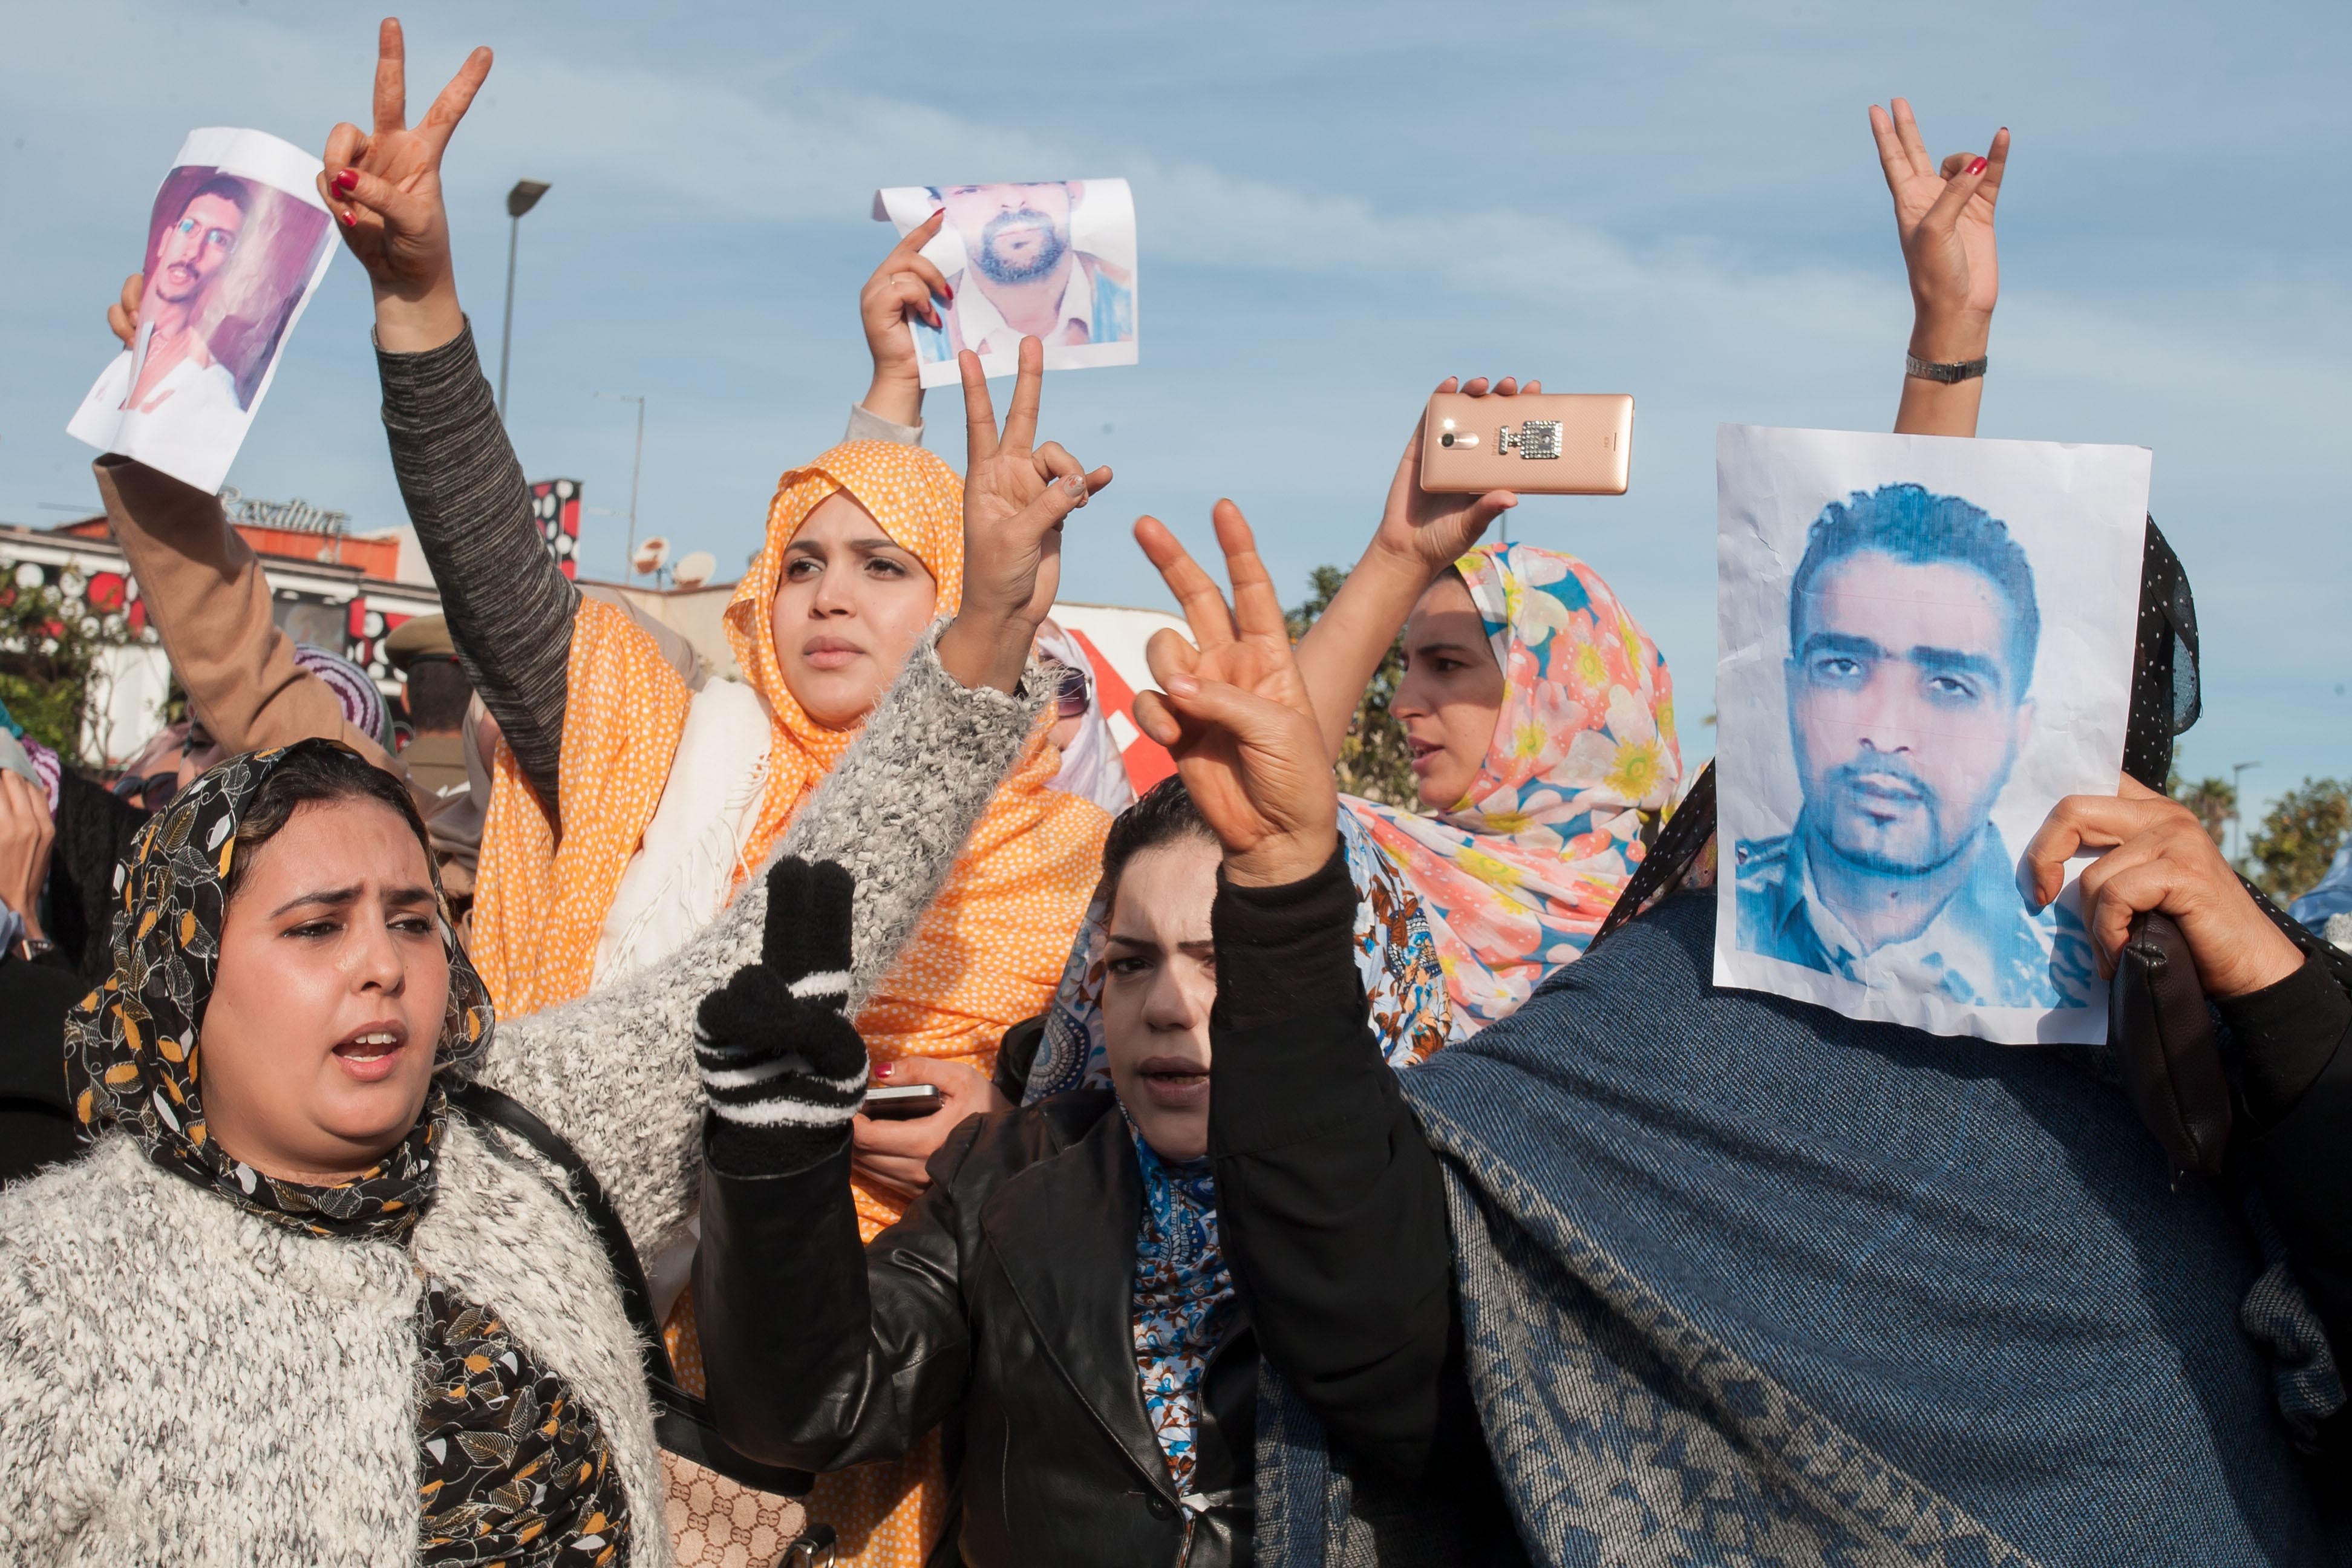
x: 1447, y: 439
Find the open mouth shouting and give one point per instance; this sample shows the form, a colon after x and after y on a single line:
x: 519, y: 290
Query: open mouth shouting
x: 370, y: 1052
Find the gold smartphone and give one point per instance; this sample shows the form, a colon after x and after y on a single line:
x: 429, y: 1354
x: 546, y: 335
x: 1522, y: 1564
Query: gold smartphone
x: 1545, y: 443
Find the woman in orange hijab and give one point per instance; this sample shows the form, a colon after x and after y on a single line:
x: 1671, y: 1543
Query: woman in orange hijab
x: 631, y: 803
x: 670, y: 798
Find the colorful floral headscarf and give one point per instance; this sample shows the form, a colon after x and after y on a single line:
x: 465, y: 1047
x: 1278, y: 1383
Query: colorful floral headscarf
x: 1396, y: 958
x: 1518, y: 876
x: 131, y: 1056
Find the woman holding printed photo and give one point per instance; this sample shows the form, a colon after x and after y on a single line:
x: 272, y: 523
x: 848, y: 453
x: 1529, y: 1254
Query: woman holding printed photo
x: 1540, y: 713
x: 628, y: 810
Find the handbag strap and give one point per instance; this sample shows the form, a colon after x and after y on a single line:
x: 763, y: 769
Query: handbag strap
x: 500, y: 1109
x: 682, y: 1422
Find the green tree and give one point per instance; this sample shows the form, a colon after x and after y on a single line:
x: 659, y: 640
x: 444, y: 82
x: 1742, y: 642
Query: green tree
x: 1374, y: 761
x: 2299, y: 835
x: 47, y: 646
x: 2213, y: 800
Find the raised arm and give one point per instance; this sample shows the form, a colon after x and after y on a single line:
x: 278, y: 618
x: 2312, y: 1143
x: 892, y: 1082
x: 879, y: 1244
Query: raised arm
x: 1332, y: 1205
x: 1943, y: 215
x: 509, y: 608
x: 1419, y: 536
x: 903, y: 287
x: 208, y: 600
x: 613, y: 1071
x: 820, y: 1353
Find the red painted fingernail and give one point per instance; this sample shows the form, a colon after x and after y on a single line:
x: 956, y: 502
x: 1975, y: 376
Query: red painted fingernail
x: 881, y: 1070
x: 947, y: 292
x: 347, y: 181
x: 350, y: 220
x: 1977, y: 167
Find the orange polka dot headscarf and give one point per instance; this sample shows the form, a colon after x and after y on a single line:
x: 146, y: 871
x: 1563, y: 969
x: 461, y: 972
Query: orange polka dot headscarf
x: 918, y: 500
x: 989, y: 952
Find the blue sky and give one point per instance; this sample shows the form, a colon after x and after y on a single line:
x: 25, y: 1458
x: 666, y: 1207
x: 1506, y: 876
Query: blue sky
x: 1338, y: 205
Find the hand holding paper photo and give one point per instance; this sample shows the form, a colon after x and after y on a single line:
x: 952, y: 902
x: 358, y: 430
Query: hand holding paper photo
x: 237, y: 245
x: 1053, y: 259
x: 1926, y: 644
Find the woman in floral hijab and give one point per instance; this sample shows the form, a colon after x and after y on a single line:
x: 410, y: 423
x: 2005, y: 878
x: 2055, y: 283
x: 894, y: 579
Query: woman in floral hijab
x: 1541, y: 717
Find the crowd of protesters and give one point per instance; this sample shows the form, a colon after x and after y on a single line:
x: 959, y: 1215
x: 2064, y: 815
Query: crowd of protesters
x: 460, y: 1154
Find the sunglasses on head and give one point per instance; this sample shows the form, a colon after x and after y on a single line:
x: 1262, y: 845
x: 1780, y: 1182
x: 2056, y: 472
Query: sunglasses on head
x: 1072, y: 692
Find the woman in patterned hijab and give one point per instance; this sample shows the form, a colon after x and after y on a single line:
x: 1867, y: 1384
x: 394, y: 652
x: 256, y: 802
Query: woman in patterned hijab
x: 1540, y: 718
x: 288, y: 1013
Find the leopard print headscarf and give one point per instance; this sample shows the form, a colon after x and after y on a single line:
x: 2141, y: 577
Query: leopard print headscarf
x: 515, y: 1465
x: 132, y: 1057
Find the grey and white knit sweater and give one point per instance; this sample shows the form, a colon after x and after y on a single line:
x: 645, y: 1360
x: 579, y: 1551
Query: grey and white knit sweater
x: 895, y: 814
x: 181, y: 1382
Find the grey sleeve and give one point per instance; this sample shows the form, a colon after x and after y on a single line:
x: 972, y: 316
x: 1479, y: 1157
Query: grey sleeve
x: 868, y: 426
x: 613, y: 1071
x: 899, y: 808
x: 510, y: 606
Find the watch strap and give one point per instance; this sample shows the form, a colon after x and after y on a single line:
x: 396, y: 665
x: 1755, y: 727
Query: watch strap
x: 1946, y: 372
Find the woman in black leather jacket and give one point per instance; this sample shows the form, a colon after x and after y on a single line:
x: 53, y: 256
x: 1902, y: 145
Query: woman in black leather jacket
x: 1003, y: 1300
x: 1058, y: 1297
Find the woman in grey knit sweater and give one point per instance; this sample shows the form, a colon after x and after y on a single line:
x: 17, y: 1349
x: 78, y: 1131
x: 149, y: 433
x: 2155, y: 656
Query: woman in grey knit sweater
x: 190, y: 1372
x: 300, y: 1312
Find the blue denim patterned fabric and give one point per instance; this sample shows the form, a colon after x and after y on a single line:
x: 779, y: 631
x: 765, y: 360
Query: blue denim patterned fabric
x: 1743, y: 1281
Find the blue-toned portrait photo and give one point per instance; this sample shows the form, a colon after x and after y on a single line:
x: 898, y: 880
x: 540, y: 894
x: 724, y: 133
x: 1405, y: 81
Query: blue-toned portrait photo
x: 1926, y: 644
x: 1913, y: 627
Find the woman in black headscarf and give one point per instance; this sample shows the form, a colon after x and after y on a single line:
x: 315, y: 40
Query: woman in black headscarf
x: 291, y: 1308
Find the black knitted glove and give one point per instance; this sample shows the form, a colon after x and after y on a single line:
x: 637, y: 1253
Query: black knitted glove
x: 783, y: 1070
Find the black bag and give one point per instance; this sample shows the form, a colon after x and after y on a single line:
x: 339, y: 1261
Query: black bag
x: 2165, y: 1047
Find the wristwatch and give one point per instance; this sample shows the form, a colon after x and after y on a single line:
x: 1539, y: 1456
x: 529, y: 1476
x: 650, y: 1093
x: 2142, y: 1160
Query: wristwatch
x: 29, y: 948
x: 1946, y: 373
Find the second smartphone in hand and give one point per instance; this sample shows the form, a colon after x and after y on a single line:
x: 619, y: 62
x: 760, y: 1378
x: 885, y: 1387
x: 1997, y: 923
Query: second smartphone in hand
x: 1545, y: 444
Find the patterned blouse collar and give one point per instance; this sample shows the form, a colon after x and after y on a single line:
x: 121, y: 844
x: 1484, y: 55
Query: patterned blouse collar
x: 1183, y: 1305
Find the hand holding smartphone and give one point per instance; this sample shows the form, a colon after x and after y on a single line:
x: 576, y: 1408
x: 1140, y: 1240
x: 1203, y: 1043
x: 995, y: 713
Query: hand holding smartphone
x: 1542, y: 443
x: 903, y: 1102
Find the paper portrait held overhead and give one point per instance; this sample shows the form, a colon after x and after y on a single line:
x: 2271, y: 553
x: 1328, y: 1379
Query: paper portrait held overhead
x: 1925, y: 644
x: 1051, y: 260
x: 237, y: 242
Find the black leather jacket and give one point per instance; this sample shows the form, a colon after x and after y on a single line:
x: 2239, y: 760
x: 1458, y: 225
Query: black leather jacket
x: 1001, y: 1303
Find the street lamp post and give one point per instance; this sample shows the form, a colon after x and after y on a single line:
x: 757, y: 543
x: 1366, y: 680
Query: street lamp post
x: 520, y: 200
x: 2238, y: 805
x: 636, y: 467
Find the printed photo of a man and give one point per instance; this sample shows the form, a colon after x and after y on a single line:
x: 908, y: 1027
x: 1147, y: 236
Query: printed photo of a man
x: 1913, y: 631
x: 238, y: 239
x: 176, y: 360
x: 1023, y: 276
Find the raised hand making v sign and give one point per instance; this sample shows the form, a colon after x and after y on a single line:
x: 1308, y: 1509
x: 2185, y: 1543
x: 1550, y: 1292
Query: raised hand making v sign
x: 1235, y: 711
x: 1015, y: 495
x: 384, y: 188
x: 1943, y: 215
